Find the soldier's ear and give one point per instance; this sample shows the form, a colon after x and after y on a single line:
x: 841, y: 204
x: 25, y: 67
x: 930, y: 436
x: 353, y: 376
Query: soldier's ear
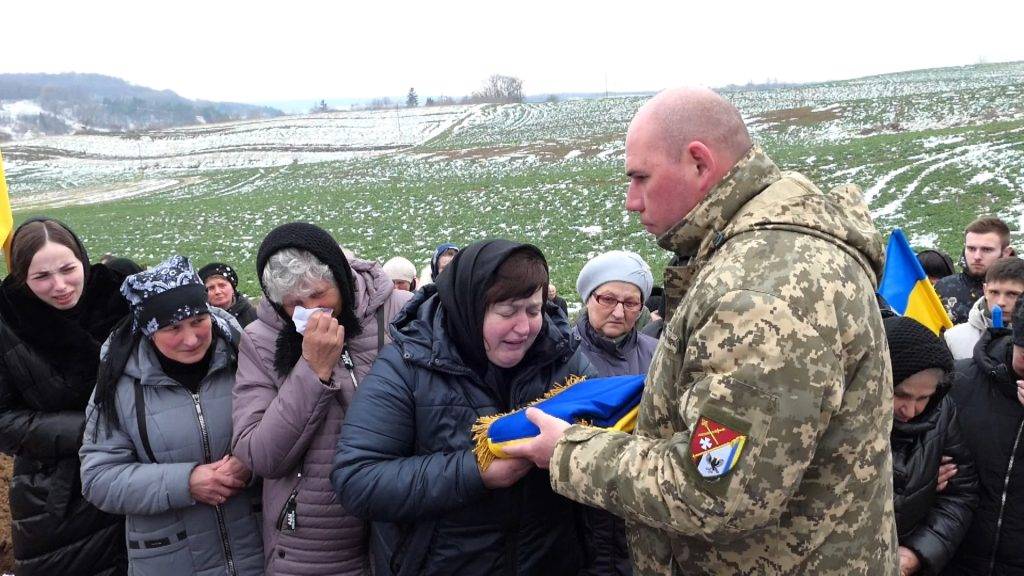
x: 705, y: 163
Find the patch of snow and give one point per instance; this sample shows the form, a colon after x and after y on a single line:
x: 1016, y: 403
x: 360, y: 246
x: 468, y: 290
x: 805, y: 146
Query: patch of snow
x: 590, y: 230
x: 21, y: 108
x: 940, y: 141
x: 572, y: 154
x: 876, y: 188
x: 924, y: 240
x: 982, y: 178
x: 92, y: 196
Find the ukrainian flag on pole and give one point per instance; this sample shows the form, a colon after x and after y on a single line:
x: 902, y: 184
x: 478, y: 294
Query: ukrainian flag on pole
x: 906, y: 287
x: 6, y: 217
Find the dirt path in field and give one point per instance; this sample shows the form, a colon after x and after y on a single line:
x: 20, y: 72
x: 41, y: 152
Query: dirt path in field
x: 6, y: 553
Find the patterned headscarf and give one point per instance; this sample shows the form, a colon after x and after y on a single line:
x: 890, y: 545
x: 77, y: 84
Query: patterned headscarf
x: 219, y: 269
x: 165, y: 294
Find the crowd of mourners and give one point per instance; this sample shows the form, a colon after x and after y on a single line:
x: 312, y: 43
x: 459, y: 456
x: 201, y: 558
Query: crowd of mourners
x: 164, y: 423
x: 161, y: 418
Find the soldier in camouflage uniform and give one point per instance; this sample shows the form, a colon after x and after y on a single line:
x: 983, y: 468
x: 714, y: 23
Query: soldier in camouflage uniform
x: 762, y: 445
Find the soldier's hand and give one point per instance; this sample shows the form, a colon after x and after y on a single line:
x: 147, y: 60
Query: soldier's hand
x: 947, y: 469
x: 909, y: 562
x: 539, y: 449
x: 1020, y: 391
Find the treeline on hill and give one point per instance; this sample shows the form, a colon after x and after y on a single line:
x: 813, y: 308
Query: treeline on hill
x: 80, y: 102
x: 498, y: 88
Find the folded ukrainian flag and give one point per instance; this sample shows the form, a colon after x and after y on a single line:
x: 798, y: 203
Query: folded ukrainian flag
x: 609, y: 402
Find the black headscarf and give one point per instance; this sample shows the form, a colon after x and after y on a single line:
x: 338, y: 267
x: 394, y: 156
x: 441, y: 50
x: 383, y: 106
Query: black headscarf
x: 912, y: 348
x: 462, y: 287
x: 219, y: 269
x: 319, y: 243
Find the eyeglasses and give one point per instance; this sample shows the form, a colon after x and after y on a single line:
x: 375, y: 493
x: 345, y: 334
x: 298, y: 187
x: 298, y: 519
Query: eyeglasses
x: 610, y: 302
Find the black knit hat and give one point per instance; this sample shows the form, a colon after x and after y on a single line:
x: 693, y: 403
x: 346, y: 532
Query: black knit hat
x: 319, y: 243
x: 1018, y: 322
x: 219, y: 269
x: 913, y: 348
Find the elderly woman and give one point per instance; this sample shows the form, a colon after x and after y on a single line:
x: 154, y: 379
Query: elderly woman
x: 55, y: 311
x: 482, y: 341
x: 156, y: 445
x: 614, y: 287
x: 319, y: 328
x: 932, y: 515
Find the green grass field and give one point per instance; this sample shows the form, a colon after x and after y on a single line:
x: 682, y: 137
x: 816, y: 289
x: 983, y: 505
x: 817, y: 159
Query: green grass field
x: 932, y: 150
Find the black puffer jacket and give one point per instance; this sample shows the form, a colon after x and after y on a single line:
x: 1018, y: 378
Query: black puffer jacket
x: 405, y: 457
x: 958, y: 293
x: 931, y: 523
x: 243, y: 310
x: 992, y: 421
x: 48, y: 363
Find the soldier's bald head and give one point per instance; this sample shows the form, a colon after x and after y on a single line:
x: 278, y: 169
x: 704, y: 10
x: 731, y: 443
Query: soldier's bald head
x: 679, y: 116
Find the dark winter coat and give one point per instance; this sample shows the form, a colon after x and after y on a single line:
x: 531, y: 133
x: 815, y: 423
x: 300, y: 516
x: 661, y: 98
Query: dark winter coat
x: 48, y: 364
x: 287, y: 424
x: 992, y: 421
x: 168, y: 532
x: 405, y: 457
x: 958, y: 293
x: 604, y: 544
x: 243, y: 310
x: 932, y: 523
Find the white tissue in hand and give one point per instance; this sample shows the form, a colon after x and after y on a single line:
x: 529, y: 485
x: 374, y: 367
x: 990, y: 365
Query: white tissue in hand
x: 301, y: 317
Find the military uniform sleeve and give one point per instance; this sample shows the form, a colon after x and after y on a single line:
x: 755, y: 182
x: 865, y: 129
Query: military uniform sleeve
x: 749, y: 390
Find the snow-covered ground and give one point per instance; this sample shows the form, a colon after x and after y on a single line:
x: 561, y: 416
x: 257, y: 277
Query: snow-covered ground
x: 322, y: 137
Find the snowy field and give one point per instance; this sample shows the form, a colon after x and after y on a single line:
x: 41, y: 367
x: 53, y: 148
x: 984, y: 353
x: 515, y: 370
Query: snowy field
x: 930, y: 148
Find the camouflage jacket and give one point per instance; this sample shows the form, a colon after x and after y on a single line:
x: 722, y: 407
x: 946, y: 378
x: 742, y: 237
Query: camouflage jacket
x: 762, y: 445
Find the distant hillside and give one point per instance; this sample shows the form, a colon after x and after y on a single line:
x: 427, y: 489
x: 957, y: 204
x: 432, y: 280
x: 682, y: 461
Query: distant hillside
x: 50, y: 104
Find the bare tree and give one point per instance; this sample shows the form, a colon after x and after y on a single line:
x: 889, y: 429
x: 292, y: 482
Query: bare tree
x: 499, y: 88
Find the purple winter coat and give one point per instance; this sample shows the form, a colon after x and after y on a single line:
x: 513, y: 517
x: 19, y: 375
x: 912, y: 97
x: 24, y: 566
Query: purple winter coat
x: 284, y: 425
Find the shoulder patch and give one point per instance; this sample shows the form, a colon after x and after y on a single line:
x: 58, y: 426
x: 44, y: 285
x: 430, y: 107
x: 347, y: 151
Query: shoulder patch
x: 715, y: 448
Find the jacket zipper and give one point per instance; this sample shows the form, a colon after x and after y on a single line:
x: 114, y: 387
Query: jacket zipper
x: 288, y: 520
x: 346, y: 359
x: 1002, y: 501
x: 221, y: 525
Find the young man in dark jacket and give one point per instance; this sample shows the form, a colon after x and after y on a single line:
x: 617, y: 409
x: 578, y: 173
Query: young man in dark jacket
x: 985, y: 241
x: 990, y: 399
x: 931, y: 523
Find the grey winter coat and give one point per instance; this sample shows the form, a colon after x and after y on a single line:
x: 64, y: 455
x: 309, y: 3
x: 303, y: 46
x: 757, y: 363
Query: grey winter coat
x: 287, y: 425
x: 632, y: 355
x: 168, y: 532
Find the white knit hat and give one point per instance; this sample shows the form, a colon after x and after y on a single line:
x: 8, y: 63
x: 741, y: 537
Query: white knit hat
x: 399, y: 268
x: 616, y: 265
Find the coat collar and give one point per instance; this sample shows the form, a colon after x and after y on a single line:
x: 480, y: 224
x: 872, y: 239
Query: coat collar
x: 747, y: 178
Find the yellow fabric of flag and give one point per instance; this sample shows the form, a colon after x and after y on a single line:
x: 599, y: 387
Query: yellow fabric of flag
x: 6, y: 216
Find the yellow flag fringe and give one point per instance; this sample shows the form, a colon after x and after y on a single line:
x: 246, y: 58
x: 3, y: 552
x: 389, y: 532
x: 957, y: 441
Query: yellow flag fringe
x: 481, y: 442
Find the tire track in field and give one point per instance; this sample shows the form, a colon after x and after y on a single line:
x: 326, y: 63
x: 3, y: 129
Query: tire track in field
x: 927, y: 165
x: 261, y: 175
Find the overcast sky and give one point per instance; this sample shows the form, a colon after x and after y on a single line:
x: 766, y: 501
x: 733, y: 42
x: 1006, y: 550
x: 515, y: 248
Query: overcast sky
x: 254, y: 51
